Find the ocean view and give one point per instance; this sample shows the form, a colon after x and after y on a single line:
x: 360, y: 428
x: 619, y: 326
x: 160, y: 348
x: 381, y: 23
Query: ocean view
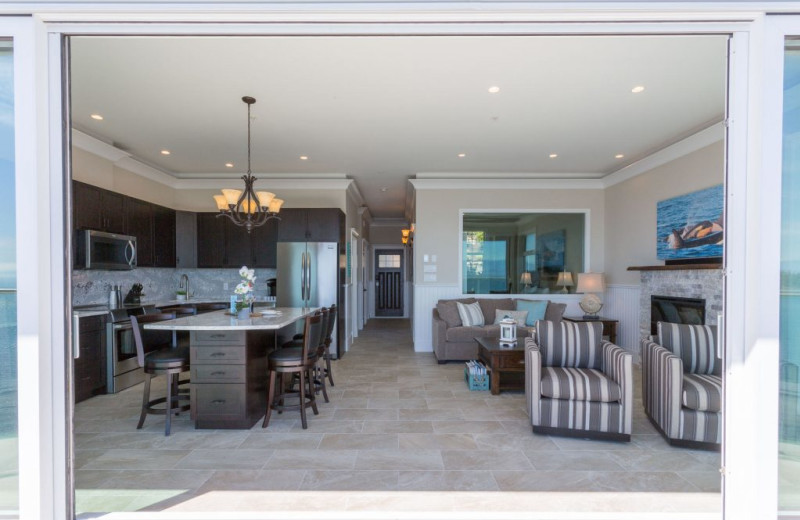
x: 8, y: 364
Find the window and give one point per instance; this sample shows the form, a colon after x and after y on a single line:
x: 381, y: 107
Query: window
x: 388, y: 261
x: 520, y: 252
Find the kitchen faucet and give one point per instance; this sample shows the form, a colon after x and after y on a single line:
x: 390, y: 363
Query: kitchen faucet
x: 184, y: 284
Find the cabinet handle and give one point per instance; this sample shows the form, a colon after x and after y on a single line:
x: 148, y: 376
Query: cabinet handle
x: 218, y: 401
x: 218, y: 354
x: 218, y: 373
x: 218, y: 335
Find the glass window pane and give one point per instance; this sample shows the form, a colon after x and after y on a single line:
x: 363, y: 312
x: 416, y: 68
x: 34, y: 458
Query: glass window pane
x: 388, y: 261
x: 9, y: 480
x: 520, y: 253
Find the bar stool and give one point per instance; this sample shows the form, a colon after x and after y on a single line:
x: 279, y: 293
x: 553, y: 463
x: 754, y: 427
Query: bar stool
x: 332, y: 310
x: 156, y: 356
x: 294, y: 360
x: 319, y: 372
x: 180, y: 337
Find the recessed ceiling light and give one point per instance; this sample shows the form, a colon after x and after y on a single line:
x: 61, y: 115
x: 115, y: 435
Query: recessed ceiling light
x: 462, y: 155
x: 553, y: 155
x: 96, y: 117
x: 619, y: 156
x: 303, y: 157
x: 165, y: 152
x: 637, y: 89
x: 229, y: 165
x: 494, y: 90
x: 383, y: 190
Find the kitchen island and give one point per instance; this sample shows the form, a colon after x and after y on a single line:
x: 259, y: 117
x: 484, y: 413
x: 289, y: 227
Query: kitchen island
x: 228, y: 359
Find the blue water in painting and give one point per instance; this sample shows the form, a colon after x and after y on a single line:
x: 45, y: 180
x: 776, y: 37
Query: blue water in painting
x: 689, y: 209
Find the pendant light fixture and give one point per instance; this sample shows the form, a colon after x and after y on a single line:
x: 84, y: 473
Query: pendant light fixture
x: 248, y: 208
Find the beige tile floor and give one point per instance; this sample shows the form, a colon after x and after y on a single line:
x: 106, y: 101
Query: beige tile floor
x: 401, y: 436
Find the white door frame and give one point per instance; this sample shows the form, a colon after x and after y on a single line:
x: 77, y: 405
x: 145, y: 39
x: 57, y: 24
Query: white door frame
x: 354, y: 283
x: 42, y: 325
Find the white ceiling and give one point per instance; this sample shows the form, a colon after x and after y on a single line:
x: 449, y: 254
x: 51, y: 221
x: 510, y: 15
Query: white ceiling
x: 382, y: 109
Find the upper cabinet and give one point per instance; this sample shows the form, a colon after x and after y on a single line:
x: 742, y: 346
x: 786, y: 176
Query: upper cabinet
x: 311, y: 225
x: 151, y: 224
x: 220, y: 243
x: 98, y: 209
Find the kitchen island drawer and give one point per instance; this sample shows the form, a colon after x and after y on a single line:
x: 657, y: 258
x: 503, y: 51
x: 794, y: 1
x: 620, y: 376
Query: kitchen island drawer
x: 219, y: 401
x: 222, y: 355
x: 217, y: 337
x: 218, y: 373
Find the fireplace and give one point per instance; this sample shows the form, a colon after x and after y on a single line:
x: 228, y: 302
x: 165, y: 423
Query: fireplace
x: 672, y: 309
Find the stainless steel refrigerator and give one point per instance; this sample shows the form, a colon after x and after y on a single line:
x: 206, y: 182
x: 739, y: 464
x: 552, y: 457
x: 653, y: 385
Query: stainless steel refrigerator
x: 308, y: 276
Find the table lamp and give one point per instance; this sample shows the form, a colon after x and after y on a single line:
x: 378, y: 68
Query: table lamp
x: 590, y: 284
x: 525, y: 280
x: 564, y: 281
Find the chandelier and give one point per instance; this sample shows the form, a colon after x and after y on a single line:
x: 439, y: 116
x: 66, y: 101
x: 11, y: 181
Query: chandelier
x: 248, y: 208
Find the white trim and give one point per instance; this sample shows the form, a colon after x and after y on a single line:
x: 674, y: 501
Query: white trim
x: 707, y: 137
x: 355, y: 193
x: 388, y: 222
x: 274, y: 183
x: 97, y: 147
x: 507, y: 184
x: 509, y: 175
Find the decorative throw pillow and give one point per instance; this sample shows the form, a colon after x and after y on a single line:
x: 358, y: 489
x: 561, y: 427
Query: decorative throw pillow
x: 518, y: 316
x: 471, y: 315
x: 536, y: 310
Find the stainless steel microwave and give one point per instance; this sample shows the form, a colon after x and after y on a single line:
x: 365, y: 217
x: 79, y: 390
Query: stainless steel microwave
x: 101, y: 250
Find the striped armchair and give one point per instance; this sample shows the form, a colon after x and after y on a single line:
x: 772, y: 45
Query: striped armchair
x: 576, y: 384
x: 682, y: 385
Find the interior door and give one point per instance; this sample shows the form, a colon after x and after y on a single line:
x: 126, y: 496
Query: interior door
x: 388, y: 282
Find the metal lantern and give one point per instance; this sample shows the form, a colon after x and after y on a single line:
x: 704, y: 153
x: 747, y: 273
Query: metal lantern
x: 508, y: 332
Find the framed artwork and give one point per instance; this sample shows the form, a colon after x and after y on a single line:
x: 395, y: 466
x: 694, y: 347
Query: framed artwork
x: 691, y: 226
x: 550, y: 251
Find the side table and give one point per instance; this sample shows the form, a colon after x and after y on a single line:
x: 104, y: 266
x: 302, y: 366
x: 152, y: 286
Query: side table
x: 508, y: 361
x: 609, y: 326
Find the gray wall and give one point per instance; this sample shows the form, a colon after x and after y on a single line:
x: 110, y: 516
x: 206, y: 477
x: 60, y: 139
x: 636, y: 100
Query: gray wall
x: 631, y: 208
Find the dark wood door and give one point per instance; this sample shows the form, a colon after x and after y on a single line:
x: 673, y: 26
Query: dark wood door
x: 389, y: 282
x: 87, y: 212
x: 237, y: 246
x: 264, y: 241
x: 210, y: 240
x: 163, y: 237
x: 293, y: 225
x: 323, y: 224
x: 139, y: 216
x: 113, y: 214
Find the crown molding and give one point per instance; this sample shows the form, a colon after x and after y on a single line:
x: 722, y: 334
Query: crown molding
x: 694, y: 142
x: 148, y: 172
x: 507, y: 184
x: 507, y: 175
x: 97, y: 147
x: 268, y: 183
x: 260, y: 176
x: 355, y: 193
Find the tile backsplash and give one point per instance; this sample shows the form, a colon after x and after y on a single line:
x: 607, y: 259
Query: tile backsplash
x: 160, y: 284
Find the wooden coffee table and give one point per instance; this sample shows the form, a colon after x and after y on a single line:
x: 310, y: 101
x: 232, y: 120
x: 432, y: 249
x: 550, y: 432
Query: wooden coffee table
x: 508, y: 361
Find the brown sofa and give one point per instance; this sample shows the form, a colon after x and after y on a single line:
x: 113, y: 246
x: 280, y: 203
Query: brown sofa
x: 452, y: 341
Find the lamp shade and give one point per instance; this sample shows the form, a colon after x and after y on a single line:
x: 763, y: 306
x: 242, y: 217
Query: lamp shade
x: 590, y: 283
x: 565, y: 279
x: 525, y: 278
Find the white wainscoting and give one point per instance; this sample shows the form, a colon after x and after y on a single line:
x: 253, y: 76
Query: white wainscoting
x: 425, y: 298
x: 621, y: 302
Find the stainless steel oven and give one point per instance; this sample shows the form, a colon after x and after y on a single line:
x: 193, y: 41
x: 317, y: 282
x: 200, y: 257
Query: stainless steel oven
x: 123, y: 367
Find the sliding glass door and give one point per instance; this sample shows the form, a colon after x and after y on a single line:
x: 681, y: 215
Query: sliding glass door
x: 9, y: 438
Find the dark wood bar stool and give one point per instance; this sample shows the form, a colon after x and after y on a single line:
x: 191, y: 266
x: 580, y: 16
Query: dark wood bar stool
x: 157, y: 356
x: 319, y: 372
x: 332, y: 311
x: 290, y: 361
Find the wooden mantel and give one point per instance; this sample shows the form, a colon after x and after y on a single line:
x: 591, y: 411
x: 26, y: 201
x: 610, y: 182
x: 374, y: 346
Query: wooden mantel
x: 681, y: 267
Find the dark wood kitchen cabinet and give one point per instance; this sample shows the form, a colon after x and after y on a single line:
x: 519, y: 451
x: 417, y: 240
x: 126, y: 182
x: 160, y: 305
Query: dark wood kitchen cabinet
x: 311, y: 225
x: 96, y: 208
x: 265, y: 250
x: 139, y: 217
x: 164, y: 237
x: 210, y: 240
x: 90, y: 363
x: 220, y: 243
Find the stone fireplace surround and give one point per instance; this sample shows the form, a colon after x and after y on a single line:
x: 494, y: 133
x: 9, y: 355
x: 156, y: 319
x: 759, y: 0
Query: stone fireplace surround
x: 681, y: 281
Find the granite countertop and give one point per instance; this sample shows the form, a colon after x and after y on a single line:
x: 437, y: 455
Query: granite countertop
x: 99, y: 309
x: 272, y: 319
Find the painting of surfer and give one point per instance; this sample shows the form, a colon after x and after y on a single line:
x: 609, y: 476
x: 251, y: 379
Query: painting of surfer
x: 692, y: 225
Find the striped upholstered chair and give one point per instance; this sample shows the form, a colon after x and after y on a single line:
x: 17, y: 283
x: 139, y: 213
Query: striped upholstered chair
x: 682, y: 384
x: 576, y: 384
